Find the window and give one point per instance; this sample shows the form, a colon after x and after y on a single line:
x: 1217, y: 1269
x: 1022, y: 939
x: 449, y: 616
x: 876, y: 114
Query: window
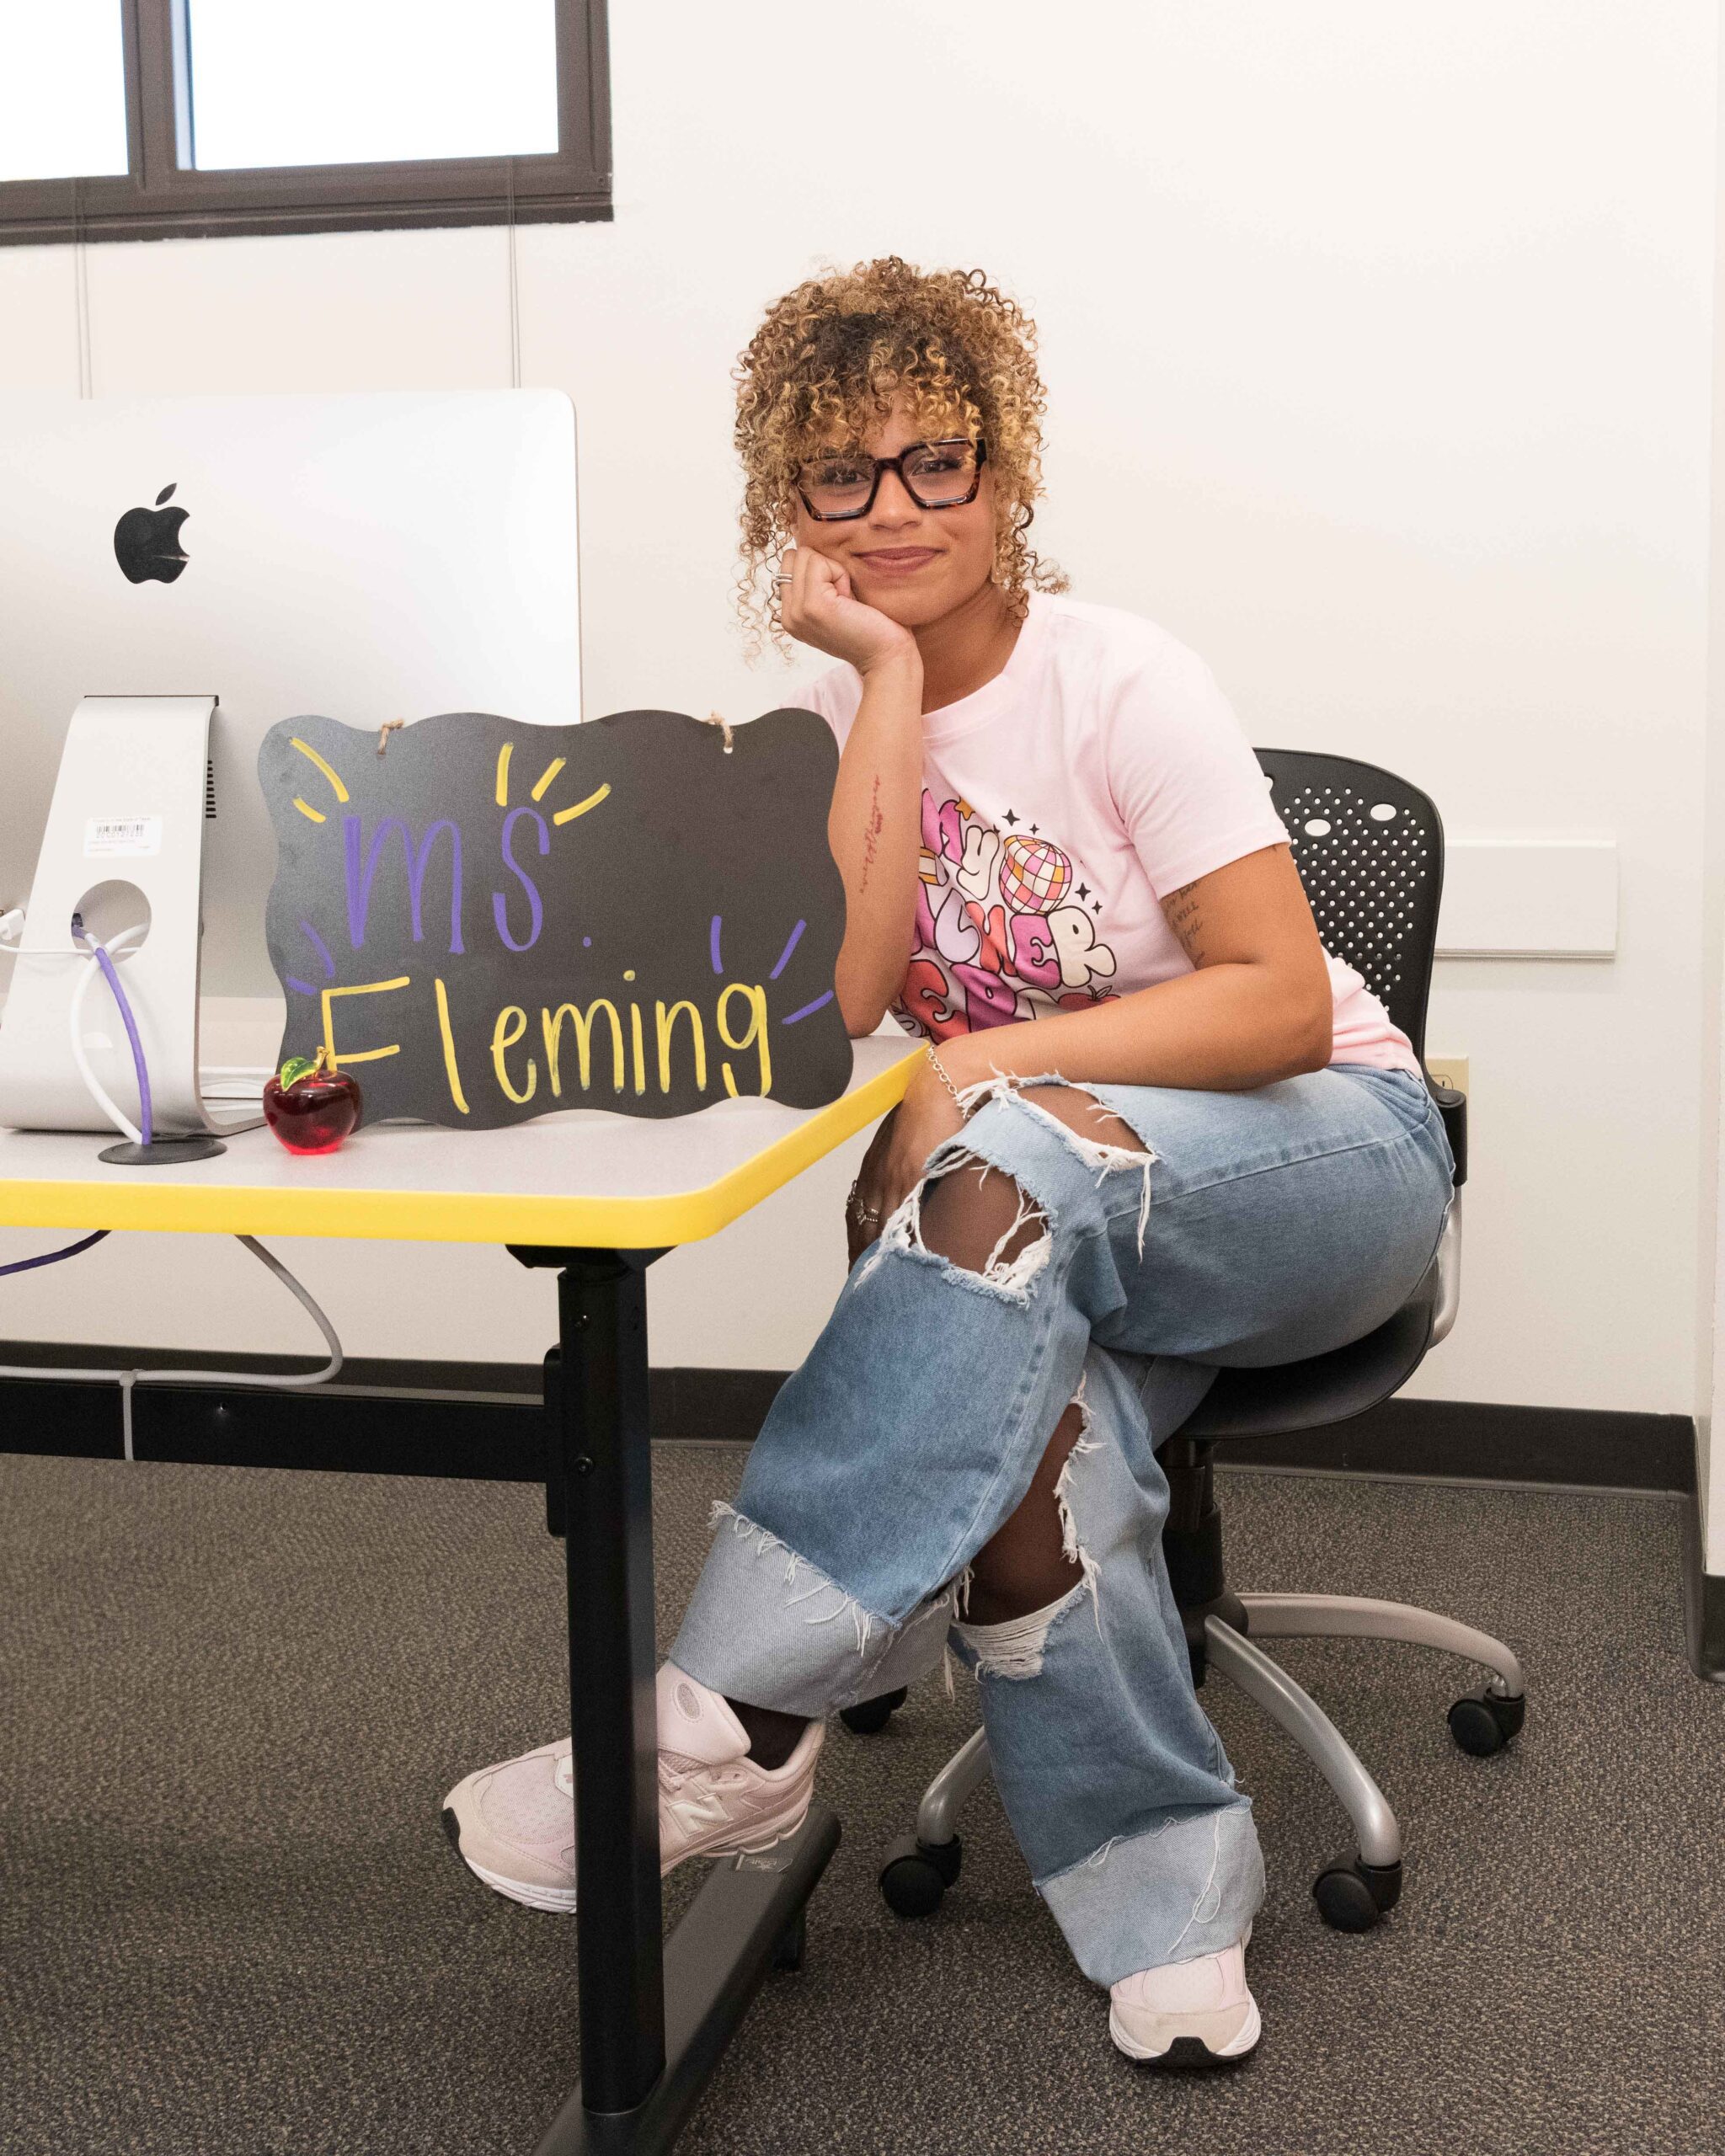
x: 62, y: 90
x: 151, y: 119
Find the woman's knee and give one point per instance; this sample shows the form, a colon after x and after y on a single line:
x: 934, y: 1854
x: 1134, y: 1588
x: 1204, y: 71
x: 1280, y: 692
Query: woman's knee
x: 979, y: 1217
x: 1082, y: 1113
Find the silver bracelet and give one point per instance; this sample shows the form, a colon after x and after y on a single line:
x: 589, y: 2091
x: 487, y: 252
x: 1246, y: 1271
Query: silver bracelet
x: 940, y: 1070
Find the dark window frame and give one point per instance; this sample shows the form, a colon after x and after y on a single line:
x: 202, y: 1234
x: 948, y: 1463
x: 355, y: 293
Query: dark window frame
x: 163, y: 197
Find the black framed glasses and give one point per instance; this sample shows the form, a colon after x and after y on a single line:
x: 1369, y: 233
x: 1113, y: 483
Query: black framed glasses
x: 934, y: 474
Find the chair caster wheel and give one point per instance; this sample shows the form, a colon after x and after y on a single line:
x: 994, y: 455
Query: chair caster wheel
x: 793, y: 1943
x: 1484, y: 1721
x: 915, y: 1876
x: 1352, y: 1896
x: 869, y: 1715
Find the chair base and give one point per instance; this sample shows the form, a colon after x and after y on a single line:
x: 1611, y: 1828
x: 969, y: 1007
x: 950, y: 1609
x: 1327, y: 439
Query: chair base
x: 1354, y: 1892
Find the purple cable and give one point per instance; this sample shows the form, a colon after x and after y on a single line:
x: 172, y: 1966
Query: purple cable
x: 110, y: 974
x: 53, y: 1257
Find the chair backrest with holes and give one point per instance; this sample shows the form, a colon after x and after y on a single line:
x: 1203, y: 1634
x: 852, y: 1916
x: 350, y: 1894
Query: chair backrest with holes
x: 1370, y: 850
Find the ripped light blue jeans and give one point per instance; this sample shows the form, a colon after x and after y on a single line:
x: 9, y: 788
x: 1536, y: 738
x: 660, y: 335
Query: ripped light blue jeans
x: 1256, y: 1228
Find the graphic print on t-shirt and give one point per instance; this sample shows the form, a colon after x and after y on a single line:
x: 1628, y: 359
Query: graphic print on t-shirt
x: 1007, y: 927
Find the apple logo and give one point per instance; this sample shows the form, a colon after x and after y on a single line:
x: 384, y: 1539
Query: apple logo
x: 146, y: 542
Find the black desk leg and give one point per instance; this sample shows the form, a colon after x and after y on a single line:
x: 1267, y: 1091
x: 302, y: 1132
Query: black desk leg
x: 607, y: 1481
x: 654, y: 2021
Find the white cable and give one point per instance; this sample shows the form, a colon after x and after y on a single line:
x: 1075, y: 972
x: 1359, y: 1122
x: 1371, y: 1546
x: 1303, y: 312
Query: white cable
x: 115, y: 947
x: 127, y: 1380
x: 262, y: 1377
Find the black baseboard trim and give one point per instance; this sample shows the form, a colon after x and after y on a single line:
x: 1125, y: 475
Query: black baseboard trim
x: 476, y: 1420
x: 1481, y: 1441
x: 472, y: 1420
x: 1703, y: 1602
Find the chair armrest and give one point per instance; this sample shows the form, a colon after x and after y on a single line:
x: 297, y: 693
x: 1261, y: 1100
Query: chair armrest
x: 1453, y: 1107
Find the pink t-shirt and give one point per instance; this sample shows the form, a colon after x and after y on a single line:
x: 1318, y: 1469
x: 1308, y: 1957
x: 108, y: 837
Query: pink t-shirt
x: 1099, y: 771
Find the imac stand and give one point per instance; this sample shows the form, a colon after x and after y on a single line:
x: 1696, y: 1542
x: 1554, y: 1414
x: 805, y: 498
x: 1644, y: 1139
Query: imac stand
x: 123, y: 849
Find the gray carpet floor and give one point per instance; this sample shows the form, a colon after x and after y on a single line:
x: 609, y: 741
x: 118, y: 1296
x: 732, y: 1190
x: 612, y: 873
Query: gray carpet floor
x: 230, y: 1924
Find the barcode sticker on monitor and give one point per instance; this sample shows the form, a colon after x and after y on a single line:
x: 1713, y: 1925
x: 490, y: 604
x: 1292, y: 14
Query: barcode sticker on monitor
x: 122, y: 835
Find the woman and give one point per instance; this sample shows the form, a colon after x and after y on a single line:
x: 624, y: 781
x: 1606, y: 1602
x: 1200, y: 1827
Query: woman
x: 1152, y: 1118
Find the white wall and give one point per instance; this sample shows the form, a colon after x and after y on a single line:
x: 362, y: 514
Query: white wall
x: 1379, y: 348
x: 1710, y: 1297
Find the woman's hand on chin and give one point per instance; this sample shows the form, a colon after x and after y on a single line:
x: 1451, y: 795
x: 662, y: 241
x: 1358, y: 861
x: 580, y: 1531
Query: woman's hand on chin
x: 818, y: 607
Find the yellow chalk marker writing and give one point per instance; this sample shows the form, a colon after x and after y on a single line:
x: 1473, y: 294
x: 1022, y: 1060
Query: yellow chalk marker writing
x: 364, y: 1054
x: 449, y: 1071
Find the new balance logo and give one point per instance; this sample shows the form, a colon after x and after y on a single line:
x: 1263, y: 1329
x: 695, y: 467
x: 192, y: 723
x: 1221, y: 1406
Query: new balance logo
x: 694, y: 1809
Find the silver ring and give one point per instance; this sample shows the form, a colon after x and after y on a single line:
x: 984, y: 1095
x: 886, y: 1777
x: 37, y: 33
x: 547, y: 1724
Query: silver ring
x: 784, y: 580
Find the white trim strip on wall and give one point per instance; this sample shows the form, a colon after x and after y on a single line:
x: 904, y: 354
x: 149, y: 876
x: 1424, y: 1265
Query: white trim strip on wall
x: 1521, y: 898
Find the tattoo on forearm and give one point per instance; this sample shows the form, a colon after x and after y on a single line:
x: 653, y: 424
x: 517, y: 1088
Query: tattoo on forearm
x: 871, y: 831
x: 1186, y: 919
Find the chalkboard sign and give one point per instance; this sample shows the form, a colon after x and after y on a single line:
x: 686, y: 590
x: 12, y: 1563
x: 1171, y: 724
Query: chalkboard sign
x: 488, y: 921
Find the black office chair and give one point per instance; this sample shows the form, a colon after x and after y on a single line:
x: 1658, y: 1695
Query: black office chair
x: 1369, y: 849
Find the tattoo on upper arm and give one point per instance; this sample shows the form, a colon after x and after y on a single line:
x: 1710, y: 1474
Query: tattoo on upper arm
x: 872, y: 830
x: 1185, y: 917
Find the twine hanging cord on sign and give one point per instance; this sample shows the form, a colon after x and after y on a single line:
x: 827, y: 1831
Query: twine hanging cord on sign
x: 724, y: 726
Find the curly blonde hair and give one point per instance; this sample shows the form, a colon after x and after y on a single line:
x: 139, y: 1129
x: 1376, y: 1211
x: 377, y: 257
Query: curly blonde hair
x: 831, y: 357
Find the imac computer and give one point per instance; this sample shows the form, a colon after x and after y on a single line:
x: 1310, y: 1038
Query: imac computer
x: 170, y: 565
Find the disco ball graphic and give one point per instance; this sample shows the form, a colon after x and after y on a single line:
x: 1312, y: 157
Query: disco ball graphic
x: 1034, y: 875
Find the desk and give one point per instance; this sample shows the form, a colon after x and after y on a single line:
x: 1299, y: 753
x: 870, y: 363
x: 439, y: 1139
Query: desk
x: 596, y: 1196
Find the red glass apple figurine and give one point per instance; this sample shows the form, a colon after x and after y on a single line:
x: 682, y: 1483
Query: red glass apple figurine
x: 309, y: 1105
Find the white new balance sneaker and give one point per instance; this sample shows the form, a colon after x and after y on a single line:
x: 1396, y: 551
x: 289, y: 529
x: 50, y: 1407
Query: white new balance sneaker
x: 1186, y: 2013
x: 514, y: 1824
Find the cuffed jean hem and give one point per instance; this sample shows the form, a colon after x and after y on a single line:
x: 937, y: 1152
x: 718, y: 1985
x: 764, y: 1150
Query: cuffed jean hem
x: 768, y: 1627
x: 1184, y: 1889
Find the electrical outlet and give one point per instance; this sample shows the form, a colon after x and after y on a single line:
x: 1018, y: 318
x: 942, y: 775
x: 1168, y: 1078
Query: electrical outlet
x: 1450, y: 1071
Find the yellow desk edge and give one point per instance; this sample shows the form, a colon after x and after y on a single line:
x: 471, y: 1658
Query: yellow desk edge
x: 457, y: 1216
